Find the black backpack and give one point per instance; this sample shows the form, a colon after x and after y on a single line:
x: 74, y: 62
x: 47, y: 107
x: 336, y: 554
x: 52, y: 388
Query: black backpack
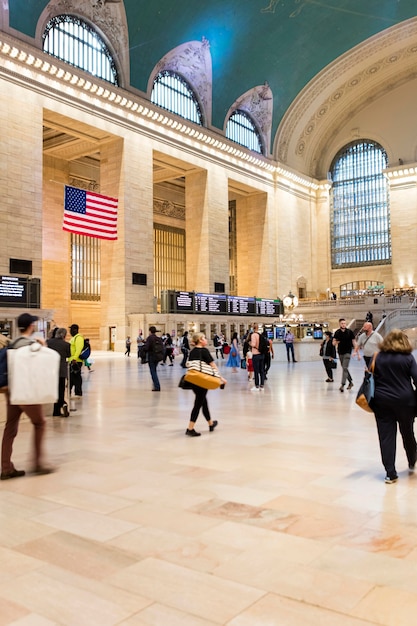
x: 158, y: 349
x: 86, y: 351
x: 263, y: 345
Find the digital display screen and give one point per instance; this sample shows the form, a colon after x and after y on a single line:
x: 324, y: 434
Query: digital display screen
x: 241, y: 306
x: 184, y: 301
x: 220, y: 304
x: 268, y: 307
x: 209, y: 303
x: 13, y: 290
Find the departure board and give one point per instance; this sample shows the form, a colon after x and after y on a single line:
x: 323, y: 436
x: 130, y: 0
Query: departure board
x: 184, y: 301
x: 241, y: 306
x: 220, y: 304
x: 268, y: 307
x: 19, y: 292
x: 210, y: 303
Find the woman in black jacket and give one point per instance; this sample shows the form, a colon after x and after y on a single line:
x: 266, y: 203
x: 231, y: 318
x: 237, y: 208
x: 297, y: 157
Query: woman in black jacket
x: 328, y: 352
x: 395, y: 369
x: 185, y: 349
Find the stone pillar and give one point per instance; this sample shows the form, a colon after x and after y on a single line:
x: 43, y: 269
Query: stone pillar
x: 207, y: 242
x: 126, y: 172
x: 256, y: 249
x: 21, y: 178
x: 403, y: 209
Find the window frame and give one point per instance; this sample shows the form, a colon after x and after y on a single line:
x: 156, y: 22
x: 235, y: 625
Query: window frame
x: 190, y: 95
x: 360, y: 225
x: 57, y: 29
x: 253, y: 129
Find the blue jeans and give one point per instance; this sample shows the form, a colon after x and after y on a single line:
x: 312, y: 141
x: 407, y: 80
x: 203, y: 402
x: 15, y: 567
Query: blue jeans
x: 290, y: 348
x: 152, y: 368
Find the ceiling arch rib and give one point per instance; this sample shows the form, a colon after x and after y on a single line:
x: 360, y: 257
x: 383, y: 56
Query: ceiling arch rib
x: 346, y: 86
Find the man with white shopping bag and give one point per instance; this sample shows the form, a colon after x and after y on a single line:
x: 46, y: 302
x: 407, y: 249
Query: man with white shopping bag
x: 32, y: 355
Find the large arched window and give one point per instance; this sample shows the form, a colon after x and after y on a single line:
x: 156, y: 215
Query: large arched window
x: 241, y: 129
x: 360, y: 219
x: 170, y: 91
x: 74, y: 41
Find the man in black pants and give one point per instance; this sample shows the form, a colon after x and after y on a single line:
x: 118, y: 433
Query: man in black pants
x: 344, y: 340
x: 257, y: 360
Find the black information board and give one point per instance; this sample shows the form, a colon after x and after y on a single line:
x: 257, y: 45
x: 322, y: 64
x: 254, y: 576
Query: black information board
x: 19, y: 292
x: 218, y: 304
x: 241, y: 306
x: 184, y: 301
x: 268, y: 307
x: 210, y: 303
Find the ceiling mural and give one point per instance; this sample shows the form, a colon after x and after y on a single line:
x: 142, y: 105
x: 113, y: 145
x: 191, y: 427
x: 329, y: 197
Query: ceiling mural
x: 280, y: 43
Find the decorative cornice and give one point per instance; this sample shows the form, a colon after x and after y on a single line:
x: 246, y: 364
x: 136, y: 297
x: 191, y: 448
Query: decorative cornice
x: 169, y: 209
x: 22, y: 64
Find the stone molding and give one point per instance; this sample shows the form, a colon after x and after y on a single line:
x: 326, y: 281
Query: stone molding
x: 169, y: 209
x: 192, y: 61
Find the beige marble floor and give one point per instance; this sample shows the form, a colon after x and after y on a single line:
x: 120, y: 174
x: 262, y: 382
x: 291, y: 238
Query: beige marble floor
x: 279, y: 517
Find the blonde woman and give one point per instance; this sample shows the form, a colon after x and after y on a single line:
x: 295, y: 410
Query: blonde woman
x: 201, y: 353
x: 395, y: 369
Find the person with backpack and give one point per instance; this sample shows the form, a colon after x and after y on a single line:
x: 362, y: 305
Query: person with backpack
x: 169, y: 350
x: 268, y: 355
x: 35, y: 412
x: 76, y: 360
x: 155, y: 351
x: 58, y: 343
x: 86, y: 354
x: 218, y: 344
x: 258, y: 351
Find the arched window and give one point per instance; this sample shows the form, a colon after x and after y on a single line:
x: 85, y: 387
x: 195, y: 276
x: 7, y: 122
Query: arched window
x: 360, y: 218
x: 74, y: 41
x: 170, y: 91
x: 241, y: 129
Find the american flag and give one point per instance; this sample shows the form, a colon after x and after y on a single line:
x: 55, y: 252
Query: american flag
x: 91, y: 214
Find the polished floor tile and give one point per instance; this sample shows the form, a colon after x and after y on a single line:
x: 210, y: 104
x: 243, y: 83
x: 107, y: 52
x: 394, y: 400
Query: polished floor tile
x: 280, y: 517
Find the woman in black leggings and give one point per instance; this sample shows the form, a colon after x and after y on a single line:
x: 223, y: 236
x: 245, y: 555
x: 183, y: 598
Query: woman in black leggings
x: 200, y: 353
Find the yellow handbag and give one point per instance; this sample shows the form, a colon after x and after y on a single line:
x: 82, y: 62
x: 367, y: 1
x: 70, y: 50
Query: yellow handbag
x: 201, y: 374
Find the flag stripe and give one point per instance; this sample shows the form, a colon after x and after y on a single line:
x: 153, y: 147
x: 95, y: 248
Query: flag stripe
x: 88, y: 233
x: 89, y: 213
x: 93, y: 219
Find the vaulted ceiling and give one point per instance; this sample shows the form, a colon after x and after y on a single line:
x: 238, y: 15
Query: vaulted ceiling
x: 286, y: 43
x: 283, y: 42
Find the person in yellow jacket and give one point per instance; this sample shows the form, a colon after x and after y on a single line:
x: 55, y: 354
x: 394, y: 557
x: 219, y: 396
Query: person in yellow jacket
x: 75, y: 360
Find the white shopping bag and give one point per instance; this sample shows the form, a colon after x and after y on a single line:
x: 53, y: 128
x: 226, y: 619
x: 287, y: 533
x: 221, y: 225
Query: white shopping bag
x: 33, y: 373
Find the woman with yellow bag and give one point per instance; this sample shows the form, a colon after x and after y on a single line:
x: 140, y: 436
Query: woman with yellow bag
x: 201, y: 353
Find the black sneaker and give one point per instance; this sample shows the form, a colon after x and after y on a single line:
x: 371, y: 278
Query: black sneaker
x: 13, y: 474
x: 40, y: 470
x: 192, y: 433
x: 341, y: 388
x: 391, y: 479
x: 213, y: 426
